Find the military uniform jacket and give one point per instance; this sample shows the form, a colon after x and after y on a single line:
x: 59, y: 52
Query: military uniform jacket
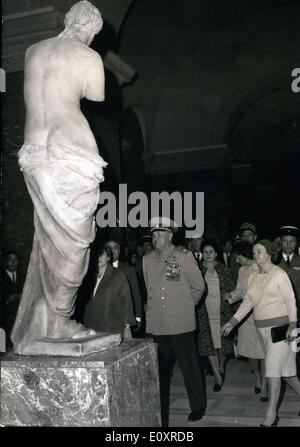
x: 174, y: 286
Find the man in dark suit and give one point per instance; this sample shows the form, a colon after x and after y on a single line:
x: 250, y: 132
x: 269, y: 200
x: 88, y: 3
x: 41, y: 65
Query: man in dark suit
x: 196, y: 241
x: 226, y: 253
x: 289, y: 261
x: 12, y: 285
x: 130, y: 274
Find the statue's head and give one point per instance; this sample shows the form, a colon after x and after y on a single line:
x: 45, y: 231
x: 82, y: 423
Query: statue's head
x: 84, y: 17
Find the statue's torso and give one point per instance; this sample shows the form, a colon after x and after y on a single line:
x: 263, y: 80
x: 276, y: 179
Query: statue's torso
x: 53, y: 86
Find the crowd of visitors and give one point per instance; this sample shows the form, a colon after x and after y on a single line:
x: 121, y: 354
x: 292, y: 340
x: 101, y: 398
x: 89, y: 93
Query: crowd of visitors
x: 198, y: 300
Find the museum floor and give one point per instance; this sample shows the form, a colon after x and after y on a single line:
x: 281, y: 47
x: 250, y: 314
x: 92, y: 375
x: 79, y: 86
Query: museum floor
x: 235, y: 406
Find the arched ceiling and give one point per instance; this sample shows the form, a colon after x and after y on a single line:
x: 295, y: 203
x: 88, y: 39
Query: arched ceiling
x: 211, y: 76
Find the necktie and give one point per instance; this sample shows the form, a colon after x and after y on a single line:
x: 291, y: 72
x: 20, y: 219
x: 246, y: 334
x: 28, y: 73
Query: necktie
x: 14, y: 278
x: 287, y: 261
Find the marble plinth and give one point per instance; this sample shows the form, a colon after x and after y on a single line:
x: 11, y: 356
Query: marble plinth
x: 118, y: 387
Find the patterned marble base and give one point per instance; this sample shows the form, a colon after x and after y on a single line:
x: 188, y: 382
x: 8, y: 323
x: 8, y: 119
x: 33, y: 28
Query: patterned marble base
x: 118, y: 388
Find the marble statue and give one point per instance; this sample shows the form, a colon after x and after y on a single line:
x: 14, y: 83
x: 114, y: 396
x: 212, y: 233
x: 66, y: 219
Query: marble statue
x: 62, y: 170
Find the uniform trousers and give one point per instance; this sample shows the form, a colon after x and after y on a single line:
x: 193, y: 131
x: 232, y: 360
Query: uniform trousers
x: 181, y: 347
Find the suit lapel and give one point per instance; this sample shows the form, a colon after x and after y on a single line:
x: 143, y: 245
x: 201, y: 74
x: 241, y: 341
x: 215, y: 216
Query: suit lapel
x: 105, y: 280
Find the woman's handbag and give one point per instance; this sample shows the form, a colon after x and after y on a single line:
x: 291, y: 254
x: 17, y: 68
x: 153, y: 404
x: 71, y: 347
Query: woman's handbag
x: 279, y: 333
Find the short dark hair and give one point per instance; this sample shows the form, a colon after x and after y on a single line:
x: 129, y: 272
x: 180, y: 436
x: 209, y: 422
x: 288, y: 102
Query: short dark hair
x: 9, y: 253
x: 212, y: 243
x: 269, y: 246
x: 102, y: 249
x: 243, y: 248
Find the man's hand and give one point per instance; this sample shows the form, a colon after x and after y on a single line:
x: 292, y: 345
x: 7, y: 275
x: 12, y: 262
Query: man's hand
x: 138, y: 325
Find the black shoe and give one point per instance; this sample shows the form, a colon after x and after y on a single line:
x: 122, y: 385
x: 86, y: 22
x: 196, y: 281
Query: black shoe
x: 274, y: 423
x: 257, y: 390
x: 196, y: 415
x: 217, y: 387
x: 264, y: 398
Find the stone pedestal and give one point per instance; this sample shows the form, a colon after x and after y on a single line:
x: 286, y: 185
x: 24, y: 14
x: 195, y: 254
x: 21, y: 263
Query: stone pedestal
x: 118, y: 387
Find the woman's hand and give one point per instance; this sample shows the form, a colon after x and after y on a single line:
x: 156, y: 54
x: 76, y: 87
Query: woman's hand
x: 227, y: 296
x: 291, y: 334
x: 226, y: 329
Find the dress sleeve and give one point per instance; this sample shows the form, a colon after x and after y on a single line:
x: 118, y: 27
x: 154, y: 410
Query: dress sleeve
x: 243, y: 310
x: 286, y: 289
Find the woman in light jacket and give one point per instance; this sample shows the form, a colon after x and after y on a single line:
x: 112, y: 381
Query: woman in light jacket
x: 270, y: 295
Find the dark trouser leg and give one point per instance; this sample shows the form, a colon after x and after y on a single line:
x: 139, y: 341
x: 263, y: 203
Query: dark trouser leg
x: 184, y: 346
x: 165, y: 362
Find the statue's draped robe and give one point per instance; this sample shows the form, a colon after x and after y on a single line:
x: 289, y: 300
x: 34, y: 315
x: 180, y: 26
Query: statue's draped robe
x: 63, y: 183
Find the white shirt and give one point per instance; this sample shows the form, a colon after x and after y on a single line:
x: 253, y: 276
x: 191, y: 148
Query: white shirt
x: 98, y: 280
x: 287, y: 256
x: 226, y: 257
x: 198, y: 255
x: 10, y: 274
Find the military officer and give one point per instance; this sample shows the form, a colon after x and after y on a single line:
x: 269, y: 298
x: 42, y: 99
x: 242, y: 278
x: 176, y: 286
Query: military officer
x: 174, y: 286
